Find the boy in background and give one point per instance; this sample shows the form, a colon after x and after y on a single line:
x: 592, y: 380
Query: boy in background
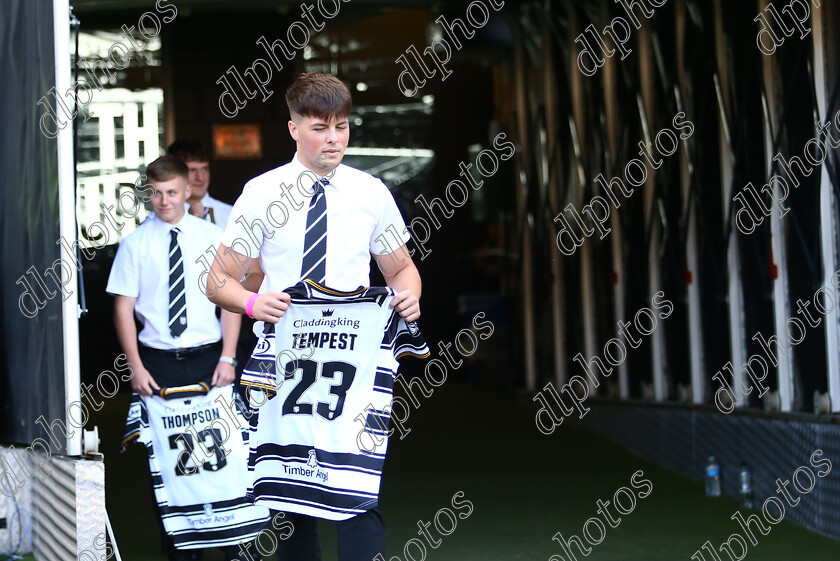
x: 199, y: 201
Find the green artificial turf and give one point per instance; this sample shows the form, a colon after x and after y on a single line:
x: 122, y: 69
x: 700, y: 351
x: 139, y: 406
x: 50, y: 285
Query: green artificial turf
x: 524, y: 488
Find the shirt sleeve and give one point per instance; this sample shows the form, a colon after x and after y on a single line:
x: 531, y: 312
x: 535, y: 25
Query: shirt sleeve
x: 213, y: 234
x: 245, y: 232
x: 390, y: 231
x: 124, y: 279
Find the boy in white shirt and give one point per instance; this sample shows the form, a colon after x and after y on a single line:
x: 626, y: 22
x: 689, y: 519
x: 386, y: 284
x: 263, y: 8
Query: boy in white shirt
x: 315, y: 218
x: 155, y: 277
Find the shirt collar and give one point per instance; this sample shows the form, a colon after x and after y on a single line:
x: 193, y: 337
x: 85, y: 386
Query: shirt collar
x: 298, y: 168
x: 162, y: 227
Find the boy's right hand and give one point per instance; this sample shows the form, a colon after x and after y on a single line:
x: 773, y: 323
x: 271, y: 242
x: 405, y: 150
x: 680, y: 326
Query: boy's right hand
x: 142, y: 381
x: 271, y: 306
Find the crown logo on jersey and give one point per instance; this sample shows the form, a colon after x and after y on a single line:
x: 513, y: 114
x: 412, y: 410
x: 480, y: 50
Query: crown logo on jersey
x: 327, y: 313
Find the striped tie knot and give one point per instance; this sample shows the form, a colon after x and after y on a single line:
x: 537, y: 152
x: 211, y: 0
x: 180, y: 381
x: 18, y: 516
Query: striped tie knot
x: 319, y: 187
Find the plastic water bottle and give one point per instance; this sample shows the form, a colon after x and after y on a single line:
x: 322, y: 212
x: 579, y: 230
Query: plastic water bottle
x: 712, y: 478
x: 746, y: 486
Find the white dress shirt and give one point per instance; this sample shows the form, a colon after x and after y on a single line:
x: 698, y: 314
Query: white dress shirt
x: 362, y: 218
x: 217, y: 212
x: 141, y: 270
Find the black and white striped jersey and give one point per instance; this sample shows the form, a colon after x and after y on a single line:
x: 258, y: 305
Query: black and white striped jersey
x: 197, y: 442
x: 319, y: 379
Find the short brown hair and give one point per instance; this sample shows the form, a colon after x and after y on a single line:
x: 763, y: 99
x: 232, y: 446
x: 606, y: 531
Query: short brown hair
x: 319, y: 95
x: 188, y: 150
x: 166, y: 168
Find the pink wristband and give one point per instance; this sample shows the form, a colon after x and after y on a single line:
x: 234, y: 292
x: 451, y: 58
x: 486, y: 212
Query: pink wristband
x: 249, y: 307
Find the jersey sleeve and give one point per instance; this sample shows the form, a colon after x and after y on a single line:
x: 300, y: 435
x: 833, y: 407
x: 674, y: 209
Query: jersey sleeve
x: 404, y: 338
x: 259, y: 372
x: 124, y: 279
x: 136, y: 422
x: 389, y: 226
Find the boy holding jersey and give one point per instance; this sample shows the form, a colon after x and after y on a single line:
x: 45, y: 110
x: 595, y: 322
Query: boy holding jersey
x: 317, y: 219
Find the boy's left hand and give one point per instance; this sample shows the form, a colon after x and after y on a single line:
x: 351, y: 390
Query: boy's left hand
x: 407, y: 305
x: 223, y: 375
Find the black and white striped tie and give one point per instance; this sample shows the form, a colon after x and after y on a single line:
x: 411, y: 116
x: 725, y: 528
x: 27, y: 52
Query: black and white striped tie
x: 177, y: 287
x: 315, y: 241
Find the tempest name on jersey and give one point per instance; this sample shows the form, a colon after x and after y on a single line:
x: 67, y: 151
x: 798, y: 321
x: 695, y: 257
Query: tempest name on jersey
x: 197, y: 470
x: 339, y: 341
x: 303, y: 452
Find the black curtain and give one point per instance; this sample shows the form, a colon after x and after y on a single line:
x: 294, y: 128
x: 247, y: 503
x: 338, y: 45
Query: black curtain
x: 31, y: 348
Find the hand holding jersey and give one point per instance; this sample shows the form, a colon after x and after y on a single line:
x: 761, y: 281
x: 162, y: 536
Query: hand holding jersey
x: 407, y: 305
x: 224, y: 374
x: 270, y: 306
x: 142, y: 381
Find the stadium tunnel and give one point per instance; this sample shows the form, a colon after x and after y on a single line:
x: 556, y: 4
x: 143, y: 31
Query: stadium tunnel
x: 615, y: 167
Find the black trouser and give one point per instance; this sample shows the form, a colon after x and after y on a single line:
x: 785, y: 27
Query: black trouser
x: 188, y: 366
x: 171, y: 370
x: 360, y: 538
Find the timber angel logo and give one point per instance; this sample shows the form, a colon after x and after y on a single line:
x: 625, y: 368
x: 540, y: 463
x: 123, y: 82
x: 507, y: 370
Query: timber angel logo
x: 208, y: 509
x: 312, y: 468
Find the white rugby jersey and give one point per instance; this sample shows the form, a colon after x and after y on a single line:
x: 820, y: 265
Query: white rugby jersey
x: 199, y: 471
x: 336, y: 353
